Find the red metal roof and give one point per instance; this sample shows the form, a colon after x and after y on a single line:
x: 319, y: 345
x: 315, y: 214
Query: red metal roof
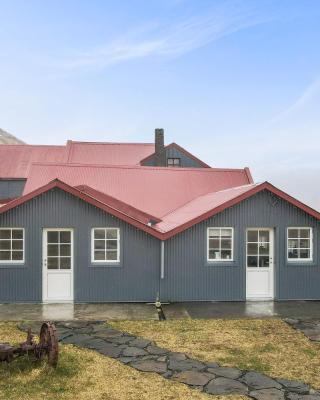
x: 107, y: 153
x: 199, y: 206
x: 15, y: 159
x: 118, y: 205
x: 199, y: 210
x: 157, y: 191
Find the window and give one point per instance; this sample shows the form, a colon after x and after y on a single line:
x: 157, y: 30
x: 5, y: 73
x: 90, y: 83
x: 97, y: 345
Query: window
x: 105, y: 245
x: 220, y: 244
x: 258, y: 248
x: 299, y: 244
x: 11, y: 245
x: 173, y: 162
x: 59, y: 249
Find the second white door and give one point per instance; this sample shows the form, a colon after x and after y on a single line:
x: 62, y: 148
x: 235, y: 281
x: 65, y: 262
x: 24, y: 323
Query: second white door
x: 259, y: 263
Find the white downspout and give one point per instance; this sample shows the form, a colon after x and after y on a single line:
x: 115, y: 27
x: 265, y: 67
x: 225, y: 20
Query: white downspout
x: 162, y: 260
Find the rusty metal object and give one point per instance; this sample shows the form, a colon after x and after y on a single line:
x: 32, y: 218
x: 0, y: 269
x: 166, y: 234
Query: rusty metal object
x: 47, y: 346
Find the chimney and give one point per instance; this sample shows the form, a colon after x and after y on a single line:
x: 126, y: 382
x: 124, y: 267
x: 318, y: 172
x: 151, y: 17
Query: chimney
x: 160, y: 154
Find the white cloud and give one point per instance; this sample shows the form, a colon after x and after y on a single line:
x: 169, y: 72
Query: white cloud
x: 306, y: 97
x: 172, y: 39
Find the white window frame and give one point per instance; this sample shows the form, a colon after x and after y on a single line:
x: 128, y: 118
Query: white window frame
x: 222, y: 260
x: 294, y: 260
x: 23, y: 246
x: 93, y: 261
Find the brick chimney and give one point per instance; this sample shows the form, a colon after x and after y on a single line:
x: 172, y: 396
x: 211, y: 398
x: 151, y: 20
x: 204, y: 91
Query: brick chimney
x: 160, y: 154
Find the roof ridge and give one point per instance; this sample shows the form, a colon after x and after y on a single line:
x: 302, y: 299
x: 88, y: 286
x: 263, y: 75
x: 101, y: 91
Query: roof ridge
x: 32, y: 145
x: 112, y: 143
x: 140, y: 167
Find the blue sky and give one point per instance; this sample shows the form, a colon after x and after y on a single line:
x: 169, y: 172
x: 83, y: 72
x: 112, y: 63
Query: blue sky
x: 235, y: 82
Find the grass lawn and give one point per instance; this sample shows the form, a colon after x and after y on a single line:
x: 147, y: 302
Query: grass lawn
x: 85, y: 375
x: 267, y: 345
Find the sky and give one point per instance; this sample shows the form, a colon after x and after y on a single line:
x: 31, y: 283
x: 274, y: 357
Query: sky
x: 237, y: 83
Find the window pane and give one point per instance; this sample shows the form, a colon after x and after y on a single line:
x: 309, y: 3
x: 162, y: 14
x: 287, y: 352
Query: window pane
x: 17, y: 255
x: 65, y: 263
x: 5, y: 244
x: 17, y: 234
x: 99, y: 234
x: 53, y: 263
x: 112, y: 234
x: 53, y: 237
x: 293, y: 253
x: 304, y: 243
x: 99, y: 244
x: 112, y: 244
x: 226, y: 254
x: 226, y: 232
x: 111, y: 255
x: 17, y: 244
x: 53, y: 250
x: 65, y: 250
x: 214, y: 244
x: 99, y: 255
x: 264, y: 249
x: 252, y: 236
x: 170, y: 161
x: 5, y: 234
x: 304, y: 253
x: 214, y: 255
x: 226, y: 243
x: 214, y: 232
x: 264, y: 261
x: 293, y: 233
x: 5, y: 255
x: 263, y: 236
x: 176, y: 161
x: 65, y: 237
x: 252, y: 249
x: 293, y: 243
x: 304, y: 233
x: 252, y: 261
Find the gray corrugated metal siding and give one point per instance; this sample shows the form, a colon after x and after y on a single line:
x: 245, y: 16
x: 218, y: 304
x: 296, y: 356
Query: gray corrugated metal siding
x: 136, y: 279
x: 188, y: 276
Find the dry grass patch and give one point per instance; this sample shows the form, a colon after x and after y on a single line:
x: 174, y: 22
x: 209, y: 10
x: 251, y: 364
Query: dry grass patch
x: 267, y: 345
x: 84, y: 375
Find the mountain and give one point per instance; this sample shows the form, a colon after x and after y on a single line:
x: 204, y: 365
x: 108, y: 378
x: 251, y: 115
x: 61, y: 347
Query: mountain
x: 7, y: 138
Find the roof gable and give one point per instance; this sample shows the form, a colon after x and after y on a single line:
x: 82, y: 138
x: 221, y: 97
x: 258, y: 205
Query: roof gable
x: 180, y: 149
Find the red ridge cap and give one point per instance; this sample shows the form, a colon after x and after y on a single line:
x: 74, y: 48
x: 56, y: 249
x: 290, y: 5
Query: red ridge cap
x: 248, y: 173
x: 118, y: 205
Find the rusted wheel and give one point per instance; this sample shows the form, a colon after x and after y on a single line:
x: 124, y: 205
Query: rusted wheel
x: 48, y: 344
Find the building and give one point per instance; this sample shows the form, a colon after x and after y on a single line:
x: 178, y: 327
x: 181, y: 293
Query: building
x: 108, y: 222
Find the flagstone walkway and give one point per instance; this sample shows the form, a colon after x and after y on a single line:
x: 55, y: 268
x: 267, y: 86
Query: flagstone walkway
x: 146, y: 356
x: 309, y: 327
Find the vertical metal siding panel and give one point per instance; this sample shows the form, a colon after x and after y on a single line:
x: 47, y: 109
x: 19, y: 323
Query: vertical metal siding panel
x: 137, y: 279
x: 11, y: 188
x: 227, y: 281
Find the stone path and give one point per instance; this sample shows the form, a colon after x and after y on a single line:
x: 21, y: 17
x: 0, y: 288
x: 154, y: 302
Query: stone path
x: 146, y: 356
x: 310, y: 327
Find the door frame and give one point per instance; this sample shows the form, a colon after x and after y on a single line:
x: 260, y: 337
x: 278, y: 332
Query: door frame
x: 271, y: 268
x: 45, y: 271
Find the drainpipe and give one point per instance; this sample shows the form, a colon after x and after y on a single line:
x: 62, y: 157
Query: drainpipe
x: 162, y: 260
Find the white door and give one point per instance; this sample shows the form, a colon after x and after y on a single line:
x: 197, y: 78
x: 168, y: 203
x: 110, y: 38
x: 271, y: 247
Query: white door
x: 259, y: 263
x: 57, y: 265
